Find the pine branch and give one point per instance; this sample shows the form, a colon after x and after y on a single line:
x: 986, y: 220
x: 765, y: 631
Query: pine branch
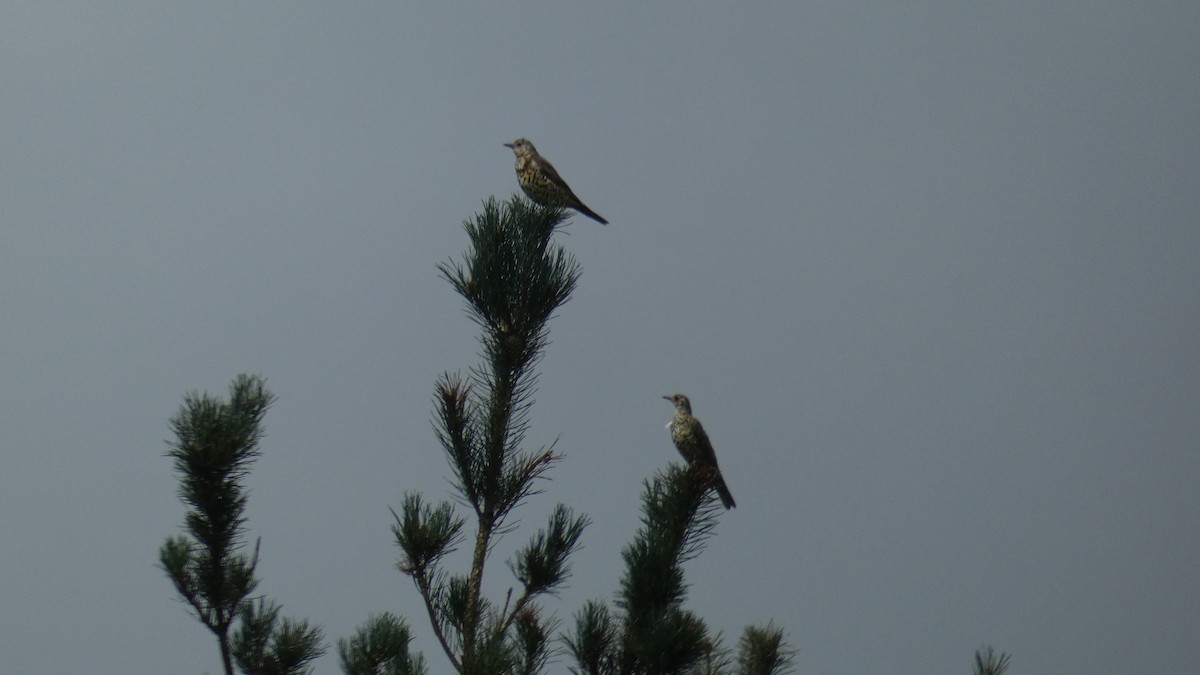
x: 267, y: 645
x: 513, y: 280
x: 531, y: 641
x: 763, y: 651
x: 593, y: 643
x: 425, y: 534
x: 380, y: 647
x: 678, y: 515
x: 456, y: 430
x: 215, y: 444
x: 987, y: 663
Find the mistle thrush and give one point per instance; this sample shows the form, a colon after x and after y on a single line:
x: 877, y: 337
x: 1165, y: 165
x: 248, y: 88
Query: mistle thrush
x: 542, y: 183
x: 693, y: 444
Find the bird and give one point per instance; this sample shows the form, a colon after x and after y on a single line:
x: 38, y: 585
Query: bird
x: 542, y: 183
x: 691, y: 441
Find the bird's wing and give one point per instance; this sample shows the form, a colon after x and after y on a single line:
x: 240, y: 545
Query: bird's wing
x: 705, y: 446
x: 549, y: 171
x: 576, y: 203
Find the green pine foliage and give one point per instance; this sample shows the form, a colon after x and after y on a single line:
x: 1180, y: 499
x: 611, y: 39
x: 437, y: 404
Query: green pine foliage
x: 763, y: 651
x: 265, y: 644
x: 513, y: 279
x: 380, y: 647
x: 988, y: 663
x: 654, y: 633
x: 216, y: 442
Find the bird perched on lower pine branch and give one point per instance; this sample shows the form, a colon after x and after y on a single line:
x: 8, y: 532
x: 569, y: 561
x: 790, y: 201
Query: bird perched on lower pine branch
x: 691, y: 441
x: 542, y: 183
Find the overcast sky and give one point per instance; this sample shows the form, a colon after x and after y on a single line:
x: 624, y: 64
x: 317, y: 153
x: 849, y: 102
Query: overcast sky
x: 929, y: 272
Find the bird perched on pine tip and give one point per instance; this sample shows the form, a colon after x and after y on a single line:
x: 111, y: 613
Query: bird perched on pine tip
x: 542, y: 183
x: 691, y: 441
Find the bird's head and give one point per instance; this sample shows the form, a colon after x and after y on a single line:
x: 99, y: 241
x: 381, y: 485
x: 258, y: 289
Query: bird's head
x: 521, y: 147
x: 682, y: 404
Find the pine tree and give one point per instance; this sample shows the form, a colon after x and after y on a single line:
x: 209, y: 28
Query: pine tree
x: 654, y: 634
x: 215, y: 444
x: 513, y: 279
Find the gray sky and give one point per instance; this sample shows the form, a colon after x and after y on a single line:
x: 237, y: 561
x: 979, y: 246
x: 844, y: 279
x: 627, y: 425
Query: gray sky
x: 928, y: 271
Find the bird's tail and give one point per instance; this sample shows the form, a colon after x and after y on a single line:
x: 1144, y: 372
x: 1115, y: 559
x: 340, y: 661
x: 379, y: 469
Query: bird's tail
x: 723, y: 492
x: 591, y: 214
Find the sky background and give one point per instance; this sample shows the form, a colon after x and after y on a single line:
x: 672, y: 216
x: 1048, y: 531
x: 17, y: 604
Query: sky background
x: 929, y: 272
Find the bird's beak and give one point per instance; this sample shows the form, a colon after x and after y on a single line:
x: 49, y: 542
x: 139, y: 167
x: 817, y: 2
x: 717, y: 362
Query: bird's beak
x: 668, y: 398
x: 508, y: 145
